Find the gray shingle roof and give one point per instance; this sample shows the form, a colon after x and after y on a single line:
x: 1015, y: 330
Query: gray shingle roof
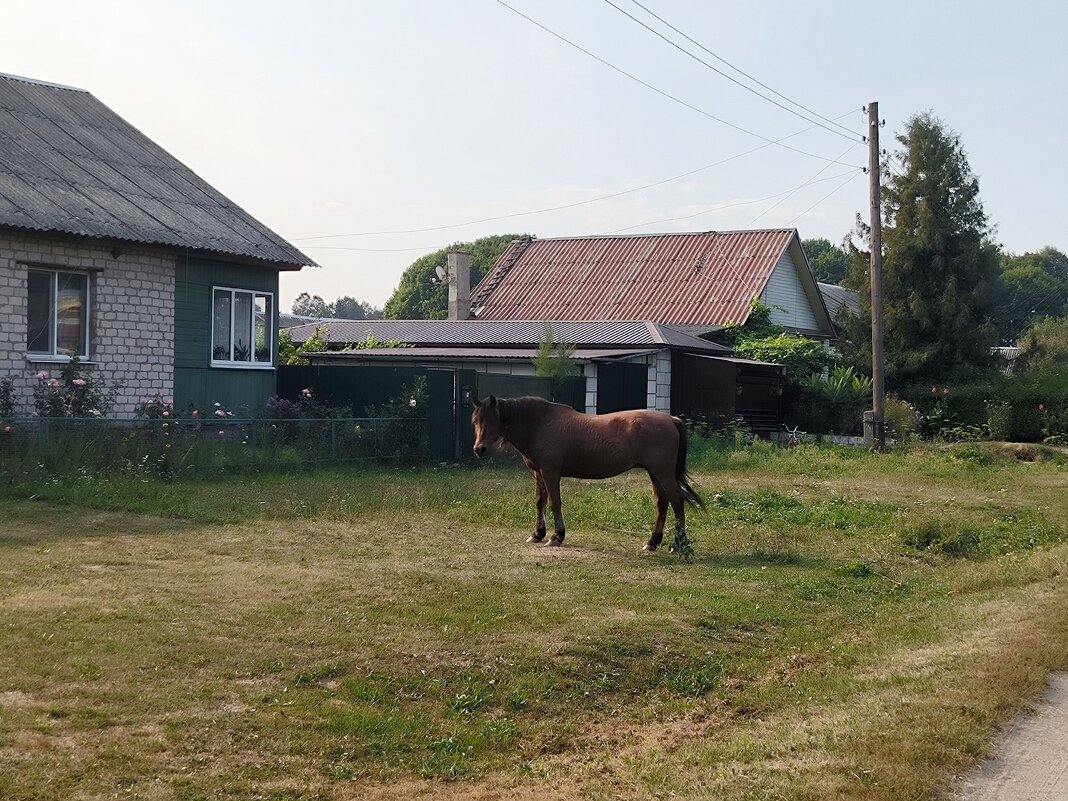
x: 835, y: 297
x: 598, y: 333
x: 69, y: 164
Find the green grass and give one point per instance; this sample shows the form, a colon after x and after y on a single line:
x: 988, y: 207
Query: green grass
x: 850, y: 625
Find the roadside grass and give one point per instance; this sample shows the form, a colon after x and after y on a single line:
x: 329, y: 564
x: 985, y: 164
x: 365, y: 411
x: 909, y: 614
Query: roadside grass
x: 851, y: 626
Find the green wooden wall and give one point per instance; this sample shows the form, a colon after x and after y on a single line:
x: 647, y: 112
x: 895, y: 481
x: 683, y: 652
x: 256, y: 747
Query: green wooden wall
x: 196, y: 383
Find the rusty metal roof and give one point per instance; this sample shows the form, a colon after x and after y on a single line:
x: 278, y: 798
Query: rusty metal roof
x: 69, y: 164
x: 503, y: 333
x: 693, y: 279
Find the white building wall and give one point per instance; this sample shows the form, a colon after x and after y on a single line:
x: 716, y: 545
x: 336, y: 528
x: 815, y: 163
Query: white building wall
x: 590, y: 371
x: 131, y: 316
x: 662, y: 368
x: 790, y: 306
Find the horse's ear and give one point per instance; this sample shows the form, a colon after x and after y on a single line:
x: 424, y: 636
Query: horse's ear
x: 493, y: 401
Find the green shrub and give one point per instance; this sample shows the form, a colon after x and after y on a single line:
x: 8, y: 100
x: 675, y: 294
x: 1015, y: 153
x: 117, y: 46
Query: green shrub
x: 999, y: 420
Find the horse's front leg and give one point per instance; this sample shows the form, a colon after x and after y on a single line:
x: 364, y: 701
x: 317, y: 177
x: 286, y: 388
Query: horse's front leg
x: 552, y: 487
x: 541, y: 495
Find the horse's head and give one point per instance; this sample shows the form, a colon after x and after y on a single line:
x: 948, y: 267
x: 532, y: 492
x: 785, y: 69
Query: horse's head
x: 486, y: 419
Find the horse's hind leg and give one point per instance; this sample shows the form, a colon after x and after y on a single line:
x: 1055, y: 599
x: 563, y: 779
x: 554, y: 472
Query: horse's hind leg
x: 661, y: 516
x: 541, y: 495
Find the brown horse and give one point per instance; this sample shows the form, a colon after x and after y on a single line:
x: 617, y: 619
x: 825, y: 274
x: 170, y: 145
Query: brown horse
x: 557, y: 441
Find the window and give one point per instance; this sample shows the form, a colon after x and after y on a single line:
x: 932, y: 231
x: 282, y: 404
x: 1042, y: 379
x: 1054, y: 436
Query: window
x: 242, y: 333
x: 57, y: 314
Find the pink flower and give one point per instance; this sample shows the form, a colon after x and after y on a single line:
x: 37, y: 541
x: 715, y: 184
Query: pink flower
x: 307, y: 393
x: 934, y: 390
x: 196, y: 412
x: 945, y: 391
x: 53, y: 382
x: 221, y: 434
x: 33, y: 414
x: 1042, y: 407
x: 220, y: 413
x: 42, y: 375
x: 169, y: 401
x: 218, y: 405
x: 166, y: 413
x: 78, y: 382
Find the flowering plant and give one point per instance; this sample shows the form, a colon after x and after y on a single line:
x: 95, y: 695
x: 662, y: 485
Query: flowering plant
x: 73, y: 394
x: 155, y: 407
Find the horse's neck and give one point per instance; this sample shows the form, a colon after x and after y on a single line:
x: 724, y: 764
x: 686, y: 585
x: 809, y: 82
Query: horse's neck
x: 519, y: 422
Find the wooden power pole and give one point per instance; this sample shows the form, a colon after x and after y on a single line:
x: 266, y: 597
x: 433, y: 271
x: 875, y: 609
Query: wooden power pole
x: 878, y: 391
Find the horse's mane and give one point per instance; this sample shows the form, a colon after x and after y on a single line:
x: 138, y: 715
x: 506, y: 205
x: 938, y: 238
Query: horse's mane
x: 528, y: 408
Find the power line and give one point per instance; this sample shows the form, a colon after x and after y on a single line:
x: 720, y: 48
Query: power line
x: 833, y: 191
x: 849, y: 135
x: 563, y: 207
x: 812, y: 180
x: 730, y: 205
x: 668, y: 95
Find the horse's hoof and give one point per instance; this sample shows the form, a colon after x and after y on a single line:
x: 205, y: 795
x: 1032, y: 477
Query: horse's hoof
x: 535, y: 538
x: 554, y: 543
x: 649, y: 547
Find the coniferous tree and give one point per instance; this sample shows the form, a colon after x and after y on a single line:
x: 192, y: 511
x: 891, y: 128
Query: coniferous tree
x: 940, y: 269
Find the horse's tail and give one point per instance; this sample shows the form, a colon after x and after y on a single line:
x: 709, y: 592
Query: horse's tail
x: 689, y: 494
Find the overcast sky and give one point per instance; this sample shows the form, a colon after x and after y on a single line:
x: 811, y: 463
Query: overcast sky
x: 323, y: 118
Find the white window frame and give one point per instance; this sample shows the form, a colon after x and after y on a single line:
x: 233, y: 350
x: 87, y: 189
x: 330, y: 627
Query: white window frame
x: 53, y: 310
x: 231, y: 363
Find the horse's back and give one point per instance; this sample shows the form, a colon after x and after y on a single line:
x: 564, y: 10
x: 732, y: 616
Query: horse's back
x: 604, y: 445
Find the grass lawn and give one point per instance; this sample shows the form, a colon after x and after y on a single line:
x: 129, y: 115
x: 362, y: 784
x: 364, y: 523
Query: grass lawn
x: 851, y: 627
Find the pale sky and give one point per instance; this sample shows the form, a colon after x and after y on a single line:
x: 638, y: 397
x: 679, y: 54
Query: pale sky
x: 323, y: 118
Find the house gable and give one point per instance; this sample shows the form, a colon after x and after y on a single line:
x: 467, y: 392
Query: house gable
x: 794, y: 297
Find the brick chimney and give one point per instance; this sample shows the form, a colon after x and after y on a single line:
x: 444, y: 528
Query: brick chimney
x: 458, y: 274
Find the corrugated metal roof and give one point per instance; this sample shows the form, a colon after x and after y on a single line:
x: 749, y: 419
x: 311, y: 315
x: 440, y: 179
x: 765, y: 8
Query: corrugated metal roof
x: 515, y: 354
x: 502, y: 333
x: 69, y: 164
x: 708, y: 278
x: 835, y: 297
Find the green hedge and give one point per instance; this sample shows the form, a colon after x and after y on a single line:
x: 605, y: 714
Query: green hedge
x: 1021, y: 408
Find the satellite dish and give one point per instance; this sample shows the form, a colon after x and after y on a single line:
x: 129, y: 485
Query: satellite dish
x: 440, y: 272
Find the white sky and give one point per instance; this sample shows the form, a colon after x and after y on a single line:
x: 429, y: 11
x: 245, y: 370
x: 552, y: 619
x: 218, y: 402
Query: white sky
x: 326, y: 118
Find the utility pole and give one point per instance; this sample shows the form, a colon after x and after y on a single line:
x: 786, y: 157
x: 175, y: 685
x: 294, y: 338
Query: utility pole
x: 878, y: 392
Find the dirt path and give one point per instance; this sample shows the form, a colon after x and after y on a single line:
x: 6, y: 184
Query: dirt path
x: 1030, y: 762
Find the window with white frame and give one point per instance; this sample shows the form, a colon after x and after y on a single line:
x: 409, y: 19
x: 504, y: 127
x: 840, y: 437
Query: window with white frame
x: 242, y: 329
x: 57, y: 314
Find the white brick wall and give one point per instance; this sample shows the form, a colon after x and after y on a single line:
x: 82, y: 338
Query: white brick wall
x: 131, y: 325
x: 661, y: 401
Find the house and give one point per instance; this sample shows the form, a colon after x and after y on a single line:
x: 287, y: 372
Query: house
x: 114, y: 252
x: 697, y: 282
x: 623, y: 364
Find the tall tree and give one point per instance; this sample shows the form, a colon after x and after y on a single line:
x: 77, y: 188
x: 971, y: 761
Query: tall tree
x: 348, y: 308
x: 310, y: 306
x: 829, y: 263
x: 940, y: 269
x: 420, y: 297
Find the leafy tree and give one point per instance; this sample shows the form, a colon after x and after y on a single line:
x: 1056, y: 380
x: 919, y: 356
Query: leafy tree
x: 348, y: 308
x: 1044, y: 347
x: 291, y: 353
x: 1030, y: 293
x: 830, y: 263
x: 1035, y: 285
x: 420, y: 297
x: 939, y: 268
x: 307, y: 305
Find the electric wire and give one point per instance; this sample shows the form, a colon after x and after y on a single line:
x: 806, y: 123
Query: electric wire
x: 666, y: 94
x: 548, y: 209
x: 850, y: 135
